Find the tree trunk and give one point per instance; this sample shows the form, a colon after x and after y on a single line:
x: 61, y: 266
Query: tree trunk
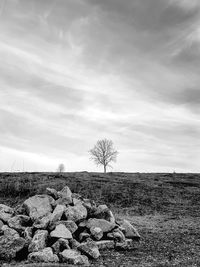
x: 104, y: 166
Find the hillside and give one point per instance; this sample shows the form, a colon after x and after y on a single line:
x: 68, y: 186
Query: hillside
x: 164, y: 207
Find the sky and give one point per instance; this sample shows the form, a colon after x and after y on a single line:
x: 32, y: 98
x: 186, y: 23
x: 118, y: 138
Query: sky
x: 76, y: 71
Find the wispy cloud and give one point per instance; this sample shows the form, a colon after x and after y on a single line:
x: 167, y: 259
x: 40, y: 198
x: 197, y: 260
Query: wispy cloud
x: 72, y: 72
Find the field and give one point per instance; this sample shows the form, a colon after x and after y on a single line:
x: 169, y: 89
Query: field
x: 164, y: 207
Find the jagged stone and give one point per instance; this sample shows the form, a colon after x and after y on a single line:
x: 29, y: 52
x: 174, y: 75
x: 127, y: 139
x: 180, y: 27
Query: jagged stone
x: 103, y: 212
x: 39, y: 241
x: 60, y: 245
x: 90, y: 249
x: 100, y: 223
x: 19, y: 210
x: 42, y: 223
x: 74, y: 243
x: 52, y: 192
x: 76, y: 213
x: 19, y: 222
x: 84, y: 236
x: 10, y: 245
x: 117, y: 235
x: 65, y: 196
x: 129, y: 230
x: 9, y: 232
x: 105, y: 244
x: 71, y: 225
x: 38, y: 206
x: 61, y: 232
x: 90, y: 206
x: 1, y: 225
x: 96, y: 232
x: 76, y: 199
x: 28, y: 234
x: 56, y: 215
x: 71, y: 256
x: 5, y: 213
x: 45, y: 255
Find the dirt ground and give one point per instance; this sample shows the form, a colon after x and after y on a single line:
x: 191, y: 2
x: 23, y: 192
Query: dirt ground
x: 165, y: 208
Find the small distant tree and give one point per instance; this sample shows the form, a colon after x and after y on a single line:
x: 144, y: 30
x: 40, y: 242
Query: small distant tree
x: 103, y: 153
x: 61, y: 167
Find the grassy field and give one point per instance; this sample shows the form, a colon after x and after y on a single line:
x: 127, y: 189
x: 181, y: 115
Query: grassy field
x: 164, y: 207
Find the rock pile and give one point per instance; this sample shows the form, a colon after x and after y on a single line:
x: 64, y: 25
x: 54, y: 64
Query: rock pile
x: 61, y: 227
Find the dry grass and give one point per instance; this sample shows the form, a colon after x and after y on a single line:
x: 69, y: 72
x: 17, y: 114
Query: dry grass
x: 164, y: 207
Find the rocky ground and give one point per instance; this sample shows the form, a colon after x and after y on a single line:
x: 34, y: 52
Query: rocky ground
x: 165, y: 208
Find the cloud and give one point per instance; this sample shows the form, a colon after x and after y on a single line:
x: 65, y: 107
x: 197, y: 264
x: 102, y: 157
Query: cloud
x: 73, y: 72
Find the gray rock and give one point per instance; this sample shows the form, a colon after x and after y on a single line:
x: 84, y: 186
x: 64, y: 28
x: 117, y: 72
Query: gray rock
x: 45, y: 255
x: 60, y: 245
x: 90, y: 249
x: 71, y: 256
x: 65, y: 196
x: 105, y: 244
x: 76, y: 213
x: 117, y: 235
x: 71, y: 225
x: 28, y: 234
x: 100, y: 223
x: 39, y: 241
x: 84, y: 236
x: 1, y: 225
x: 52, y: 192
x: 10, y: 245
x: 9, y: 232
x: 61, y: 232
x: 96, y: 232
x: 5, y: 213
x: 19, y: 222
x: 129, y: 230
x: 19, y: 210
x: 103, y: 212
x: 42, y: 223
x: 38, y: 206
x: 56, y: 215
x: 74, y: 243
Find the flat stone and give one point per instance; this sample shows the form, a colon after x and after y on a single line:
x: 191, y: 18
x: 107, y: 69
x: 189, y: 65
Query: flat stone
x: 38, y: 206
x: 105, y: 244
x: 45, y: 255
x: 101, y: 223
x: 61, y: 232
x: 39, y: 241
x: 71, y: 256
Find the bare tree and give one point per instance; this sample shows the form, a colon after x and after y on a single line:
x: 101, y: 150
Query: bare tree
x: 61, y: 167
x: 103, y: 153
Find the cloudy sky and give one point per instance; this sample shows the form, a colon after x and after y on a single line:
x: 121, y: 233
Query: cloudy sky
x: 75, y: 71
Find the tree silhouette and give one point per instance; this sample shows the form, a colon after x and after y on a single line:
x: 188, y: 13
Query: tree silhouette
x: 103, y: 153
